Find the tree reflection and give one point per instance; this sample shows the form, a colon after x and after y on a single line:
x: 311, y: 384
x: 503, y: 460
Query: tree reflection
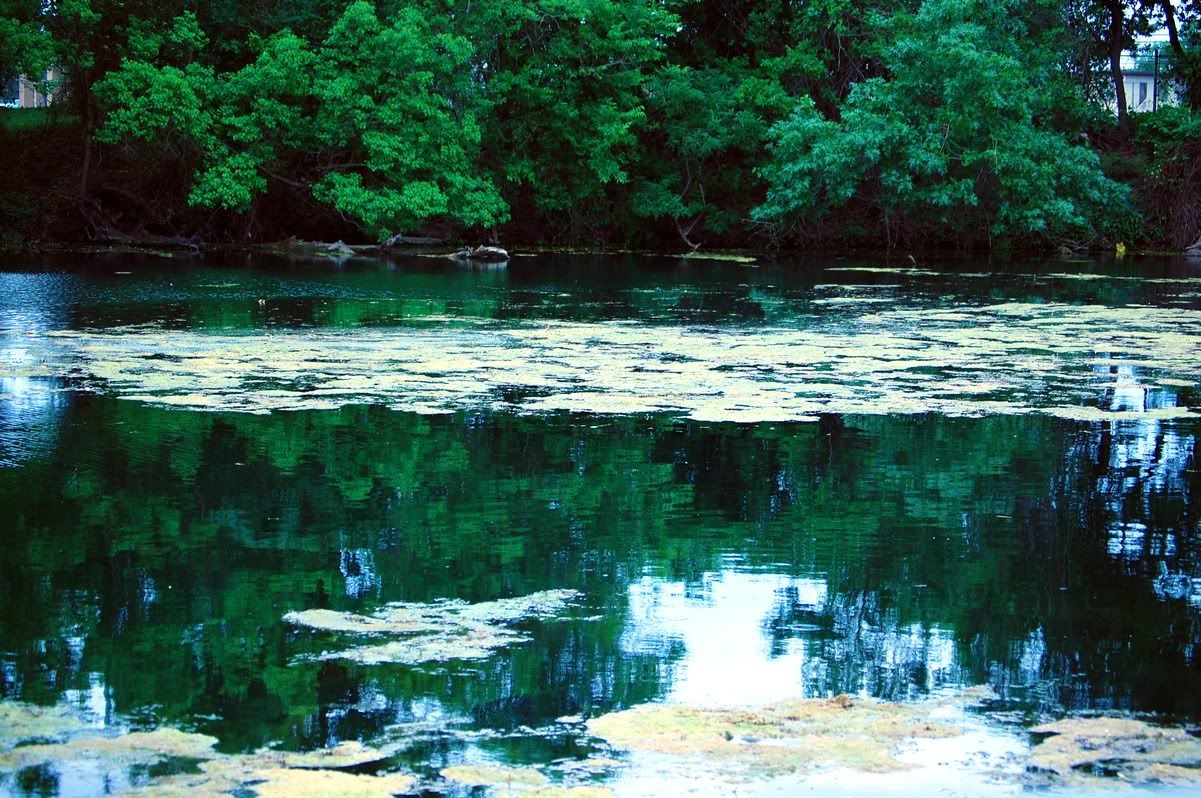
x: 154, y: 552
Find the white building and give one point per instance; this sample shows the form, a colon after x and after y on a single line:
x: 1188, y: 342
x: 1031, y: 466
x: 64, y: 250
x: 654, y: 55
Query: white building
x: 1146, y: 91
x: 26, y: 92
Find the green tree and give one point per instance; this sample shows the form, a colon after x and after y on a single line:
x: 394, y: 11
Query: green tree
x: 379, y: 121
x: 24, y: 44
x: 949, y: 146
x: 565, y: 80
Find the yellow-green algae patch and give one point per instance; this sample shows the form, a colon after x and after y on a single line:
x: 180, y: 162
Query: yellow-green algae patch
x: 442, y: 630
x: 593, y: 764
x: 1088, y: 750
x: 269, y: 773
x: 886, y: 270
x: 1084, y: 413
x: 718, y: 256
x: 20, y: 723
x: 1128, y: 278
x: 956, y: 359
x: 286, y: 783
x: 345, y: 755
x: 255, y: 773
x: 780, y: 738
x: 125, y: 750
x: 494, y: 776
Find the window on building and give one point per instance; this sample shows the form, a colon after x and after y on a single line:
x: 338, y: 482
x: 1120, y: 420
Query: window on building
x: 1142, y: 93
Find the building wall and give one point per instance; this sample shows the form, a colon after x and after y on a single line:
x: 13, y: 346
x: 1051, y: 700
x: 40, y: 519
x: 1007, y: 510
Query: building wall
x: 1141, y: 92
x: 29, y: 94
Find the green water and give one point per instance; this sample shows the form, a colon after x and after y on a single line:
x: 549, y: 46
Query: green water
x: 1019, y: 510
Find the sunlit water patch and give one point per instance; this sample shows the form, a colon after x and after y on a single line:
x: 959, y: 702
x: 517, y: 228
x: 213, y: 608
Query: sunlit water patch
x: 1088, y: 362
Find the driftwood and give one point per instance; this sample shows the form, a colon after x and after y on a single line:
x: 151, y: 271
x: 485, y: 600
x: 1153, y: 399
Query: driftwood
x: 1194, y: 249
x: 482, y: 254
x: 103, y: 228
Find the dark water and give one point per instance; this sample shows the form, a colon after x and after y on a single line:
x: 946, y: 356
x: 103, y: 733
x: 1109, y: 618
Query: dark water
x: 150, y: 551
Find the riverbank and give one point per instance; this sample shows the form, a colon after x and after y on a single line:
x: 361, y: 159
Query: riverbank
x: 134, y: 198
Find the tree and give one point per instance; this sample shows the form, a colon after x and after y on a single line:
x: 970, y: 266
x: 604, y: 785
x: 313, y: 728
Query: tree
x: 565, y: 83
x: 1182, y: 20
x: 379, y: 122
x: 24, y: 45
x: 950, y: 145
x: 707, y: 131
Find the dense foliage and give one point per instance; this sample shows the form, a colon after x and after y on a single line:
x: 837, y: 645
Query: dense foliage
x: 645, y: 122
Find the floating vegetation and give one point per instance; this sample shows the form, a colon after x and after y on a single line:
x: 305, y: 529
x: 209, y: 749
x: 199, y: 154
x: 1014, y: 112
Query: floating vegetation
x: 24, y: 723
x: 527, y: 782
x: 1135, y: 752
x: 847, y: 300
x: 593, y: 764
x: 719, y: 256
x: 124, y: 750
x: 111, y: 754
x: 494, y: 776
x: 782, y: 738
x: 910, y: 271
x: 344, y: 756
x: 1085, y: 413
x: 960, y: 360
x: 442, y: 630
x: 284, y: 783
x: 260, y: 774
x: 1124, y: 277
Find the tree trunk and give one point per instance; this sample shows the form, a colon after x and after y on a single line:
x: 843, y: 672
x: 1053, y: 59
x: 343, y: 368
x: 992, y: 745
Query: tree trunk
x: 1192, y: 91
x: 88, y: 107
x: 1169, y: 16
x: 1117, y: 19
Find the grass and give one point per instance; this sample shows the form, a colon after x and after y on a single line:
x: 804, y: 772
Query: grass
x: 16, y: 120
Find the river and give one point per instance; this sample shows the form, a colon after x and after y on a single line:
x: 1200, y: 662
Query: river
x: 734, y: 484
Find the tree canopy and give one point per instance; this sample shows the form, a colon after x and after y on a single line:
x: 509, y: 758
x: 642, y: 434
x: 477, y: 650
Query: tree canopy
x: 647, y: 122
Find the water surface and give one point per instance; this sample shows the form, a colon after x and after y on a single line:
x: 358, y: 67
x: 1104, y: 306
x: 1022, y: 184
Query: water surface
x: 791, y: 480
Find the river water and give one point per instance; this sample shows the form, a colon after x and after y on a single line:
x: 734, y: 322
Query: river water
x: 765, y: 481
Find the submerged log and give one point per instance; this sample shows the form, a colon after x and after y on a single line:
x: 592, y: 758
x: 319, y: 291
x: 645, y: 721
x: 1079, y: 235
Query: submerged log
x: 484, y: 254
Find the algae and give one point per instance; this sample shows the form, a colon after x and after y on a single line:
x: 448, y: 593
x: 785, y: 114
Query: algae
x: 593, y: 764
x: 113, y: 750
x: 776, y: 739
x: 22, y: 723
x: 718, y: 256
x: 125, y: 750
x: 1125, y: 278
x: 886, y: 270
x: 958, y: 360
x: 346, y: 755
x: 1088, y: 750
x: 442, y: 630
x: 251, y: 774
x: 286, y: 783
x: 494, y: 776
